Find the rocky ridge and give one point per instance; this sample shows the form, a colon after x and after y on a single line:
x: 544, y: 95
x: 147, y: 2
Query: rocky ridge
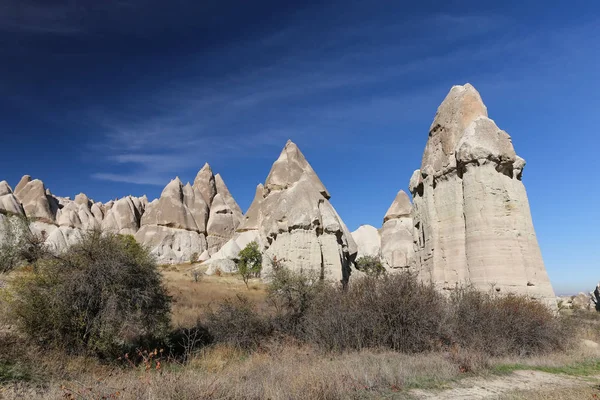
x: 293, y: 221
x: 184, y: 221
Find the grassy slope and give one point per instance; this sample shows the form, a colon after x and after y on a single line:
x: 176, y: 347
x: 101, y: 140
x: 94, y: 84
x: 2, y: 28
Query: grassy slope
x: 276, y: 371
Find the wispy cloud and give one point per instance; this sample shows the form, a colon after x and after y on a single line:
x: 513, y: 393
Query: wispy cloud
x: 200, y: 119
x: 184, y: 123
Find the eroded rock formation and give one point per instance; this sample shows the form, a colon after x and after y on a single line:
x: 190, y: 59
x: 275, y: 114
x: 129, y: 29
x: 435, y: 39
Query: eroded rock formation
x: 296, y: 224
x: 471, y: 213
x: 368, y: 241
x: 174, y: 226
x: 397, y: 247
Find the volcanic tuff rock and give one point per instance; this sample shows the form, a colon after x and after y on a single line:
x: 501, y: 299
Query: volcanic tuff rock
x: 32, y: 195
x: 295, y: 222
x: 397, y: 247
x: 181, y: 223
x: 471, y: 213
x: 175, y: 226
x: 367, y: 241
x: 8, y: 201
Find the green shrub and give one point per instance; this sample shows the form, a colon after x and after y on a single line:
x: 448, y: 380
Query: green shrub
x: 370, y: 265
x: 99, y: 297
x: 249, y: 262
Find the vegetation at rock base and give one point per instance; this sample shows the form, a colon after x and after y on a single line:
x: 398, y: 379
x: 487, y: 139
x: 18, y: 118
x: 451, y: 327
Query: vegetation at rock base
x: 295, y: 337
x: 99, y: 297
x: 249, y: 262
x: 370, y: 265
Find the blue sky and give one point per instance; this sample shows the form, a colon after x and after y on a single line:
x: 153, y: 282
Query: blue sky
x: 116, y: 98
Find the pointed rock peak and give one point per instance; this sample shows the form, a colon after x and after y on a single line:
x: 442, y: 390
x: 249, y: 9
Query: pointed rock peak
x: 224, y: 191
x: 251, y: 217
x: 82, y: 199
x: 401, y: 207
x: 5, y: 188
x: 460, y: 108
x: 219, y: 205
x: 205, y: 183
x: 173, y: 189
x: 289, y: 168
x: 22, y: 183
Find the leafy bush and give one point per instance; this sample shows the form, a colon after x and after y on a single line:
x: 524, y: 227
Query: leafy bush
x: 249, y: 262
x: 370, y: 265
x: 194, y: 258
x: 98, y: 297
x: 236, y: 322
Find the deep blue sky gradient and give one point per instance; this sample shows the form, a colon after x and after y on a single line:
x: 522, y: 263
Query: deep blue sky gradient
x: 118, y: 97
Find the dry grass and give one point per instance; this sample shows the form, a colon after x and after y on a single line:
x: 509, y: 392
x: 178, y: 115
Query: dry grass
x: 278, y: 370
x: 281, y: 372
x: 191, y: 298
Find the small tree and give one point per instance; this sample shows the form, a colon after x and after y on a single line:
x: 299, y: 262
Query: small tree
x: 370, y: 265
x: 250, y: 262
x: 100, y: 296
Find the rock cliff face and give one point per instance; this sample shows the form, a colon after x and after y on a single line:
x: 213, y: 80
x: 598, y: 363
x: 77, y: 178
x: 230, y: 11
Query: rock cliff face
x: 174, y: 226
x: 471, y: 213
x: 190, y: 219
x: 295, y: 222
x: 368, y: 241
x: 397, y: 246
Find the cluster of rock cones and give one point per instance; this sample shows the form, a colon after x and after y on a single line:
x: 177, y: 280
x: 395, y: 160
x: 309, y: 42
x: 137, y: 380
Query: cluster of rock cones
x: 469, y: 222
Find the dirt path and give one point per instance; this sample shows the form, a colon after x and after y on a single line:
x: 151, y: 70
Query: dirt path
x: 482, y: 388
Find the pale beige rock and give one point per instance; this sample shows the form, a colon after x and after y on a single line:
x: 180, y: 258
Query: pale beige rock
x: 288, y: 169
x: 97, y: 210
x: 5, y: 188
x: 195, y: 203
x: 471, y: 213
x: 171, y: 245
x: 367, y: 240
x: 582, y: 302
x: 82, y: 199
x: 68, y: 215
x: 57, y: 238
x: 238, y: 242
x: 32, y: 195
x: 224, y: 265
x: 171, y: 210
x: 204, y: 256
x: 295, y: 222
x: 122, y: 217
x: 251, y: 221
x: 400, y: 207
x: 397, y: 243
x: 8, y: 201
x: 221, y: 224
x: 229, y: 200
x: 22, y: 183
x: 205, y: 183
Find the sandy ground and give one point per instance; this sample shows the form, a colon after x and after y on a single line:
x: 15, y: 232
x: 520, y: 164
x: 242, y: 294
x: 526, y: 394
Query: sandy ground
x: 496, y: 388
